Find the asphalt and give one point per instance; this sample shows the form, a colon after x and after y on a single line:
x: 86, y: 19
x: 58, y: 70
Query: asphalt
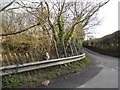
x: 108, y: 76
x: 101, y: 74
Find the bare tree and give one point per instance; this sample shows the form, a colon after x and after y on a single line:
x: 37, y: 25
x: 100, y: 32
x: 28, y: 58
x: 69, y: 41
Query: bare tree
x: 60, y: 17
x: 73, y: 12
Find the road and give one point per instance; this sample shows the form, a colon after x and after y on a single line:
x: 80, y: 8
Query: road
x: 101, y: 74
x: 108, y: 76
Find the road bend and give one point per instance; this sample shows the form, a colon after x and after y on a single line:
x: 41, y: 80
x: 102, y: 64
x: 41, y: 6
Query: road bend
x: 108, y: 76
x: 101, y: 74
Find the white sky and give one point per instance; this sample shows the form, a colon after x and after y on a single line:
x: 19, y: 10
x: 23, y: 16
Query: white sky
x: 109, y: 16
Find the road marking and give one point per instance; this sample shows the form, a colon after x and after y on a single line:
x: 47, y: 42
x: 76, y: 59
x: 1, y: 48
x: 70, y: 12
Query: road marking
x: 81, y: 86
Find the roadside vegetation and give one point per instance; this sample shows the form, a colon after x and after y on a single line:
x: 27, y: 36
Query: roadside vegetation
x: 30, y: 79
x: 33, y: 31
x: 108, y: 44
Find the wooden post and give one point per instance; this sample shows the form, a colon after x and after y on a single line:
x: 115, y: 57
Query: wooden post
x: 27, y: 55
x: 17, y: 61
x: 11, y: 57
x: 32, y: 57
x: 20, y: 56
x: 7, y: 60
x: 4, y: 61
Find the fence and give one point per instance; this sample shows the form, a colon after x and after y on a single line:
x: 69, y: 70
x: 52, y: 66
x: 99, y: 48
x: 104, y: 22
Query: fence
x: 25, y: 52
x: 37, y: 65
x: 26, y: 48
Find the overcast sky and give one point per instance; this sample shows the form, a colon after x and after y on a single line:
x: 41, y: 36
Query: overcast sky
x: 109, y: 16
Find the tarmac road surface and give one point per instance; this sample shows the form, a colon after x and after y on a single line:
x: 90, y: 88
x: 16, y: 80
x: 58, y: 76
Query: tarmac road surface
x: 102, y: 74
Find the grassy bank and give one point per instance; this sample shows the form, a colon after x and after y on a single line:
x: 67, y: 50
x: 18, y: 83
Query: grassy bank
x: 28, y: 79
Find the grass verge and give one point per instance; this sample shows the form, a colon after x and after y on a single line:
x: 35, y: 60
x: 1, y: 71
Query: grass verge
x: 38, y: 76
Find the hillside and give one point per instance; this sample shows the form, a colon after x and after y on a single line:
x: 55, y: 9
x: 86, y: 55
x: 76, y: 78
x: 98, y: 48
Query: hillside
x: 108, y: 44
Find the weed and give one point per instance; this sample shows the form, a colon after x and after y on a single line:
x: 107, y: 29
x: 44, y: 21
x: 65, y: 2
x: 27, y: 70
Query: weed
x: 13, y: 81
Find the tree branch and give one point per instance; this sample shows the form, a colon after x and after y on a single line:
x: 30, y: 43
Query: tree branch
x: 14, y: 33
x: 55, y: 33
x: 7, y: 6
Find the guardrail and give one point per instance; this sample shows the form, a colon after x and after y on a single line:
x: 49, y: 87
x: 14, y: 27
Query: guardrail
x: 7, y: 70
